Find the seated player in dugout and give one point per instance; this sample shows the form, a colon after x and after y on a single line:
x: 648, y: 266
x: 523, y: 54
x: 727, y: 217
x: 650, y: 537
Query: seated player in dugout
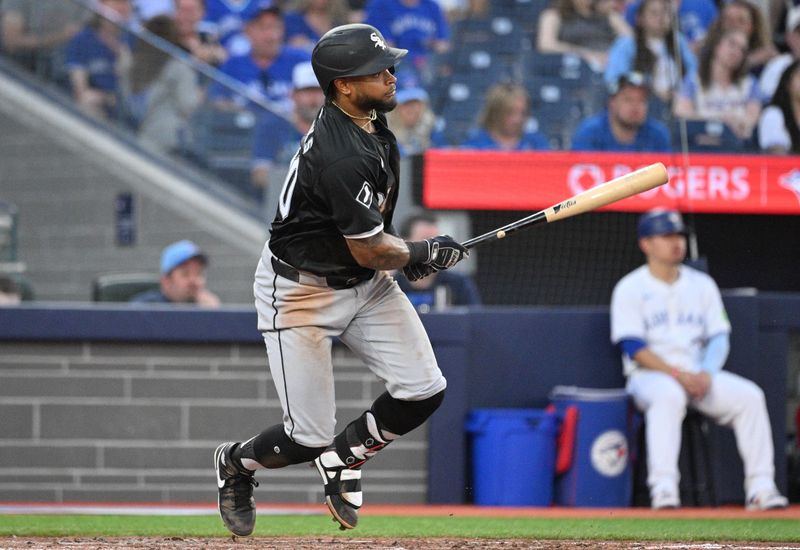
x: 672, y: 328
x: 438, y: 290
x: 323, y: 275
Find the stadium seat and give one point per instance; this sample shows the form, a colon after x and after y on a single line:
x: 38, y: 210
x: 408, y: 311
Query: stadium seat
x: 557, y: 107
x: 8, y: 232
x: 660, y: 110
x: 507, y: 36
x: 706, y: 136
x: 559, y: 65
x: 460, y: 106
x: 26, y: 288
x: 221, y: 141
x: 524, y: 12
x: 121, y: 287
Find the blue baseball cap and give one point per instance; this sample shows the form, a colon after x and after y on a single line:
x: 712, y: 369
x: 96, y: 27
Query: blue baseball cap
x: 660, y: 221
x: 178, y: 253
x: 411, y: 94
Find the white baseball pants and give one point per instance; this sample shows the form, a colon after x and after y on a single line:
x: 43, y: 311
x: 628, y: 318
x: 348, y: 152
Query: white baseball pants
x: 732, y: 401
x: 374, y: 319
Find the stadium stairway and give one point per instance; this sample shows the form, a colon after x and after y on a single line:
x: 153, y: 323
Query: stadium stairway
x: 66, y: 173
x: 138, y: 422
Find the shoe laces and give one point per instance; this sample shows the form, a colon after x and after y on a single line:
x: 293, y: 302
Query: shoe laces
x: 242, y: 486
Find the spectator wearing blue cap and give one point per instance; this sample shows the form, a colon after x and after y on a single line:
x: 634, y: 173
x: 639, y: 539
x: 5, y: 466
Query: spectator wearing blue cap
x: 672, y: 329
x: 625, y: 125
x: 412, y: 121
x: 183, y: 278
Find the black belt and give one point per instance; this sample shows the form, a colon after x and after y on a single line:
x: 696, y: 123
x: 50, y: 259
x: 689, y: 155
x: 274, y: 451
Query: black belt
x: 336, y: 282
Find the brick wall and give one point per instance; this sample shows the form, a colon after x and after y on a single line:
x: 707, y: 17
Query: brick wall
x: 115, y: 422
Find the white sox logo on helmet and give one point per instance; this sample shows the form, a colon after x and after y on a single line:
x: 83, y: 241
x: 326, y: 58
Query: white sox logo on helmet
x: 379, y: 43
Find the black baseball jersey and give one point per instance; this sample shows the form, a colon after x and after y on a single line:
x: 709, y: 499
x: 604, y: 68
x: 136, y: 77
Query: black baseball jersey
x: 342, y: 184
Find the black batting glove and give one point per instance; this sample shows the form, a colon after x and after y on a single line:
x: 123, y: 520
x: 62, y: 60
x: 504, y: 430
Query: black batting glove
x: 415, y: 272
x: 441, y: 252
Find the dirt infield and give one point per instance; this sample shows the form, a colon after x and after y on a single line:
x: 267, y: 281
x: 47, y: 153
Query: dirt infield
x: 322, y: 543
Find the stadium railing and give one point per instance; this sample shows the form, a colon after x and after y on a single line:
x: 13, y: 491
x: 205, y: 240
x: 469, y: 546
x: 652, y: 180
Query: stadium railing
x: 216, y: 143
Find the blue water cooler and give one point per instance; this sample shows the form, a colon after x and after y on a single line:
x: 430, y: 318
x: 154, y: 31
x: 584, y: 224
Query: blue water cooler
x: 599, y: 473
x: 513, y: 456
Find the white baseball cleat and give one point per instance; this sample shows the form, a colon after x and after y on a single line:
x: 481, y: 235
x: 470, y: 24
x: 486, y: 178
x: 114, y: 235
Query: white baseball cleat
x: 342, y: 488
x: 766, y: 500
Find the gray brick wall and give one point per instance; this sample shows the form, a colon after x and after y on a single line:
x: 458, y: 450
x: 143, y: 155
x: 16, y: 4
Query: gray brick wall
x: 65, y: 192
x: 139, y: 422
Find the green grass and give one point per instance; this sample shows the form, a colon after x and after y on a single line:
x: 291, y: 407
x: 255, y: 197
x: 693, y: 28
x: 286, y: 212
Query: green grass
x: 784, y: 530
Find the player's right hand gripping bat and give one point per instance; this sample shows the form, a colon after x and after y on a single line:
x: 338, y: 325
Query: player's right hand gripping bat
x: 614, y: 190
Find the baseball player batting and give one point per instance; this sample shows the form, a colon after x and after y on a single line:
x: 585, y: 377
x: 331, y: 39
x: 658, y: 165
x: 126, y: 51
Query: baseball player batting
x: 670, y: 323
x: 322, y: 275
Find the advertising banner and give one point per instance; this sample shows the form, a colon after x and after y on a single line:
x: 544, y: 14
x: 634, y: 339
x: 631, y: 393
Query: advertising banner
x: 710, y: 183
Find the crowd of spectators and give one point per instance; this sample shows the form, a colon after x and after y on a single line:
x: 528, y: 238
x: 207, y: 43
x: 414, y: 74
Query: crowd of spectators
x: 718, y: 60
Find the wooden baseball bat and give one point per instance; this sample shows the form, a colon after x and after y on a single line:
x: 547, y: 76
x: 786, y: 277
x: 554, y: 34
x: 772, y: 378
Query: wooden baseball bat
x: 619, y: 188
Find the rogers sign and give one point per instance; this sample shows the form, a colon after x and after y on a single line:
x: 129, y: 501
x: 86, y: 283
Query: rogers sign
x: 713, y: 183
x: 697, y: 183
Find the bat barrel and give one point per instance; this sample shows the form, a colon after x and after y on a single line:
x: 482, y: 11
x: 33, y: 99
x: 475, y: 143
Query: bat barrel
x: 619, y: 188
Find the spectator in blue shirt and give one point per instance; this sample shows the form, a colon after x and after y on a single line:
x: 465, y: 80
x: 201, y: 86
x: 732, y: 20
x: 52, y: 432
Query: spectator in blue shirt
x: 183, y: 278
x: 438, y: 290
x: 625, y: 124
x: 695, y: 17
x: 226, y: 20
x: 267, y: 69
x: 505, y: 117
x: 276, y: 139
x: 657, y: 50
x: 312, y: 19
x: 91, y: 59
x: 416, y: 25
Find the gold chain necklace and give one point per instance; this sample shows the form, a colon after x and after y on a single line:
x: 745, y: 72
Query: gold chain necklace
x: 372, y: 116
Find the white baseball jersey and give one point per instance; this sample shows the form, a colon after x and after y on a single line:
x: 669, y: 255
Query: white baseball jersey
x: 674, y: 320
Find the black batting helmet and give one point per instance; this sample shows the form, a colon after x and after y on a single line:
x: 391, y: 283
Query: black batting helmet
x: 352, y: 50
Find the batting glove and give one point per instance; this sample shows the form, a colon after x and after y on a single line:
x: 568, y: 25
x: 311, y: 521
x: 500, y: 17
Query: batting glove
x: 441, y: 252
x: 415, y: 272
